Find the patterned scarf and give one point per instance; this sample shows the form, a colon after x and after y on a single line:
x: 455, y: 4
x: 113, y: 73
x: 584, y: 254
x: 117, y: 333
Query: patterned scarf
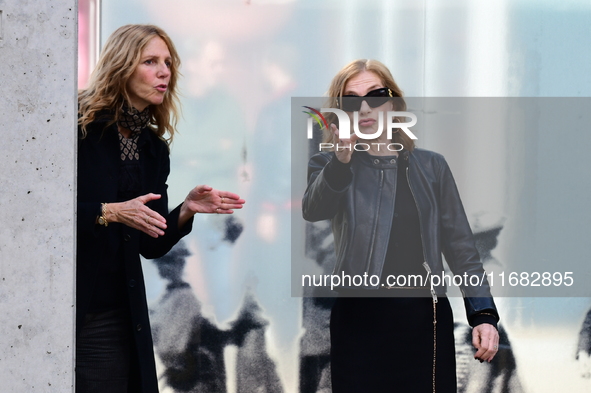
x: 135, y: 121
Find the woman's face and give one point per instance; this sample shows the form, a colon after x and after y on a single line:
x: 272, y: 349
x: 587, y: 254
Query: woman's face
x: 360, y: 85
x: 149, y: 82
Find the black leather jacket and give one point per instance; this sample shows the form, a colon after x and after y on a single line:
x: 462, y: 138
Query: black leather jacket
x: 362, y: 212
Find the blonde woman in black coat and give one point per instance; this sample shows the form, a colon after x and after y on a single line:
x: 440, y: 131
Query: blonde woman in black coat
x: 127, y: 120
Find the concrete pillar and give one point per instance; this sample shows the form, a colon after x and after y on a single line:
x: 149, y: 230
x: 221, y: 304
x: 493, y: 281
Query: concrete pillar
x: 38, y: 49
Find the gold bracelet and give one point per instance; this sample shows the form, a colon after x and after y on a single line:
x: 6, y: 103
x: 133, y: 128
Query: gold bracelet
x: 102, y: 220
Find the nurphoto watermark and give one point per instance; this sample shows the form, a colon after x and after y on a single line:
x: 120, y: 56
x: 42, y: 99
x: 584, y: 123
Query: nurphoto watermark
x: 392, y: 123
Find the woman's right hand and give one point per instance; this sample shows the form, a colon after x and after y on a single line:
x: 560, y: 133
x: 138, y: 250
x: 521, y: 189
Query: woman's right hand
x: 135, y: 214
x: 343, y: 147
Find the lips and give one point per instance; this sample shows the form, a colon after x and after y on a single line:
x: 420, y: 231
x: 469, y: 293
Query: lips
x: 366, y: 122
x: 161, y: 88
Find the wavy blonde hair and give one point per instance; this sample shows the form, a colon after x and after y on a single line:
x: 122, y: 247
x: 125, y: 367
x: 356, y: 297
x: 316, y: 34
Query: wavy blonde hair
x: 107, y: 90
x: 337, y: 88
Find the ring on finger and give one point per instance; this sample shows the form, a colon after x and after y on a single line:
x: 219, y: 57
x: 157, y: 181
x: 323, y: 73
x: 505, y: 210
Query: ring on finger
x: 496, y: 347
x: 222, y: 199
x: 217, y: 210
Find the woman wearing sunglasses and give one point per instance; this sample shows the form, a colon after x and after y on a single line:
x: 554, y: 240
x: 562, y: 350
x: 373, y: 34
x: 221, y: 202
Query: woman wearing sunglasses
x: 395, y: 210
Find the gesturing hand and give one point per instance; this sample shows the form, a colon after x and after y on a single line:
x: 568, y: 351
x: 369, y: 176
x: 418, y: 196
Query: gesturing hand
x: 485, y: 339
x: 343, y: 147
x: 205, y: 199
x: 135, y: 214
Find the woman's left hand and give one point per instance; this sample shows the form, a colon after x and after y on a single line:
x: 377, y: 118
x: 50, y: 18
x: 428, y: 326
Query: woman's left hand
x: 205, y: 199
x: 485, y: 339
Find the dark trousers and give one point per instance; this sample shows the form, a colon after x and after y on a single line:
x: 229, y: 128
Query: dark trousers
x: 103, y: 353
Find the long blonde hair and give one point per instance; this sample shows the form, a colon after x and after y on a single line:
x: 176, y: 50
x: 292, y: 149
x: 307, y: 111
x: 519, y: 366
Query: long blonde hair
x: 107, y: 90
x: 337, y: 88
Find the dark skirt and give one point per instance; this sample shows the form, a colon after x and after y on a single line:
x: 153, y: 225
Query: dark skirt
x: 387, y: 345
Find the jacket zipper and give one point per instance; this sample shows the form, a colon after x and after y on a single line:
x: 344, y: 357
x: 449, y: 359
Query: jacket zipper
x: 425, y: 264
x: 428, y: 269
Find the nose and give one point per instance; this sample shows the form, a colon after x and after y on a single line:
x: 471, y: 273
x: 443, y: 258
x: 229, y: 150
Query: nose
x: 365, y: 108
x: 163, y: 71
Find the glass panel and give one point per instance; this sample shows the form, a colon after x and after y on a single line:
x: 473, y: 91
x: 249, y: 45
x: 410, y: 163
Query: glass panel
x: 88, y: 38
x: 242, y: 63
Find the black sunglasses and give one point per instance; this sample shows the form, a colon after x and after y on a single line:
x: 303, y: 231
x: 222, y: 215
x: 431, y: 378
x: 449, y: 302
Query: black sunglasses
x: 375, y: 98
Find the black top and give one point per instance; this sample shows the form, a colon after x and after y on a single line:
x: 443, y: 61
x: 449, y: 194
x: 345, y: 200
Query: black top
x: 405, y: 251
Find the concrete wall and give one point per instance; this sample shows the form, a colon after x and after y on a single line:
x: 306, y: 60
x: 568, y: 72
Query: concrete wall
x: 38, y: 41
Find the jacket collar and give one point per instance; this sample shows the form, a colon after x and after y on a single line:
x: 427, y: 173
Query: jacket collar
x: 404, y: 155
x: 378, y: 162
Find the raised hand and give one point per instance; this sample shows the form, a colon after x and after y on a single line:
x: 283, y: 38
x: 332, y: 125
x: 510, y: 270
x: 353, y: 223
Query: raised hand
x: 343, y: 147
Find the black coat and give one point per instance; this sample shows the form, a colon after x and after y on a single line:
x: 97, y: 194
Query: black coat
x: 98, y: 178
